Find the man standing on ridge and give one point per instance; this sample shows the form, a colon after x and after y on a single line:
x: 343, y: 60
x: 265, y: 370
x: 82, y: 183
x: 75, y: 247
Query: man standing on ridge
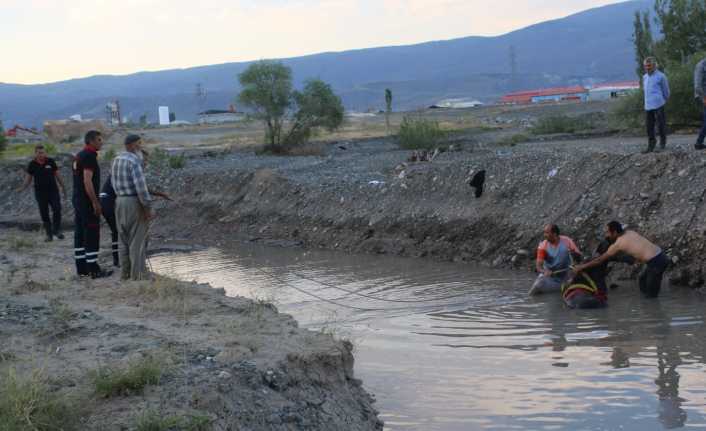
x: 87, y: 208
x: 133, y: 209
x: 700, y: 95
x: 45, y: 173
x: 553, y: 260
x: 633, y: 244
x: 656, y: 87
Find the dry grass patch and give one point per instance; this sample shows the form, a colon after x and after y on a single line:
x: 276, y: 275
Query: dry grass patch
x: 28, y: 404
x: 154, y: 421
x: 163, y: 294
x: 111, y: 381
x: 30, y: 286
x: 19, y: 243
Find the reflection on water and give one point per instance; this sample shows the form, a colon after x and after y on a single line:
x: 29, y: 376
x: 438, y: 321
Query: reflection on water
x: 456, y: 347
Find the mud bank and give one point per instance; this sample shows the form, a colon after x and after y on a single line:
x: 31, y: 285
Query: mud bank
x: 217, y: 363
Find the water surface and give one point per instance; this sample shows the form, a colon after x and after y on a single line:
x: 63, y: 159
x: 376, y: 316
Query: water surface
x: 457, y: 347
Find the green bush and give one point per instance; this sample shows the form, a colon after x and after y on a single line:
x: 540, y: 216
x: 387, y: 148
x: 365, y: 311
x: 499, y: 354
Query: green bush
x: 132, y: 379
x: 3, y: 139
x: 513, y: 140
x: 178, y: 161
x: 629, y: 112
x: 27, y: 404
x: 419, y: 133
x: 682, y: 109
x: 109, y: 155
x: 561, y: 124
x: 162, y: 159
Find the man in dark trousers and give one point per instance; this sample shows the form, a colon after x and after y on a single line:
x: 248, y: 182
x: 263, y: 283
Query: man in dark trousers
x: 656, y: 87
x: 47, y: 182
x: 700, y: 96
x: 87, y: 208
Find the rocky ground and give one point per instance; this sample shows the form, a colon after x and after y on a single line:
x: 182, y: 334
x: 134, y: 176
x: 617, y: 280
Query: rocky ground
x: 217, y: 363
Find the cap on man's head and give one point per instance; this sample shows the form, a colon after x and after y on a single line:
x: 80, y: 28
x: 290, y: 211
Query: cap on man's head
x: 131, y: 139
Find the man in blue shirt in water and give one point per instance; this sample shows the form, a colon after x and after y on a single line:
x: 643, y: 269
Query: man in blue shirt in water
x: 554, y: 257
x: 656, y: 87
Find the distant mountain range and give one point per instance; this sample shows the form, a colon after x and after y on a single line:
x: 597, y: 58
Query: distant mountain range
x: 591, y: 46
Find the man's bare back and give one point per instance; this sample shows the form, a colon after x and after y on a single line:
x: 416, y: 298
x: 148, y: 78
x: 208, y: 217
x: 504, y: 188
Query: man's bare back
x: 635, y: 245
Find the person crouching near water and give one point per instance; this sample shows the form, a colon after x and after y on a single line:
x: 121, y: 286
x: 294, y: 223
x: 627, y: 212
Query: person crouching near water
x: 553, y: 261
x: 633, y: 244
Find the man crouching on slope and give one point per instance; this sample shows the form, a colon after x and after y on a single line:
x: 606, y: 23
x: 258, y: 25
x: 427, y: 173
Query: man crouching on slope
x: 553, y: 261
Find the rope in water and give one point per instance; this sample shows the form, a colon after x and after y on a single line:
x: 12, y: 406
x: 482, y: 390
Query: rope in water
x: 286, y: 283
x: 353, y: 292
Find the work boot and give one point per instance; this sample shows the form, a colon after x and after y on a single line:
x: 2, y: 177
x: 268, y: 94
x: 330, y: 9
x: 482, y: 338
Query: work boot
x: 699, y: 146
x: 650, y: 147
x: 47, y: 229
x: 101, y: 273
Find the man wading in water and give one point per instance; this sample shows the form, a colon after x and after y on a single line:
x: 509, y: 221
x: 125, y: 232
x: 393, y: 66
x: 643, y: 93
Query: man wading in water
x: 553, y: 260
x: 635, y: 245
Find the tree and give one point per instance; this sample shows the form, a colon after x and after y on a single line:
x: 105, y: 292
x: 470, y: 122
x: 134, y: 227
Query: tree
x: 316, y: 106
x: 388, y: 107
x: 267, y: 90
x: 642, y: 40
x: 682, y: 25
x: 3, y: 139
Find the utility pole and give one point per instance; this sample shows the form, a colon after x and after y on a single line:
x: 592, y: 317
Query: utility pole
x: 200, y: 94
x: 513, y: 68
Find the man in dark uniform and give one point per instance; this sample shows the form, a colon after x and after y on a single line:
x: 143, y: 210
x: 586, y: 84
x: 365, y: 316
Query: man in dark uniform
x: 87, y: 208
x: 47, y: 182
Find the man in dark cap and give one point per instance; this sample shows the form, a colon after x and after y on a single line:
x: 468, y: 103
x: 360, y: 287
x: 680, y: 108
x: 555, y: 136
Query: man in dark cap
x: 133, y: 209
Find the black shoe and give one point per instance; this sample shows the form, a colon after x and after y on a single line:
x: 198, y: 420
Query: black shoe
x: 59, y: 235
x: 101, y: 274
x: 647, y: 151
x: 700, y: 147
x: 49, y: 238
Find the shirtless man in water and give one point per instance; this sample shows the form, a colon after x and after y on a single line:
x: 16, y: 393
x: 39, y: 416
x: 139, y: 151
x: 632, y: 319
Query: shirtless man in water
x: 635, y: 245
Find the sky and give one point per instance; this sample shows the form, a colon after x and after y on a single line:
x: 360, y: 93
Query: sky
x: 53, y: 40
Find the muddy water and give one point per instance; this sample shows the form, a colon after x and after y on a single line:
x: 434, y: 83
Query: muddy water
x: 457, y: 347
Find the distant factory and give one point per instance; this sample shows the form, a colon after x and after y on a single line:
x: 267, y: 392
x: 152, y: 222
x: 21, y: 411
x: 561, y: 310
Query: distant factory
x: 605, y: 91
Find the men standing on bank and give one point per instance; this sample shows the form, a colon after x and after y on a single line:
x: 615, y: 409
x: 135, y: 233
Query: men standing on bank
x: 554, y: 256
x: 133, y: 209
x: 656, y: 87
x: 87, y: 208
x: 47, y: 182
x: 700, y: 96
x: 633, y: 244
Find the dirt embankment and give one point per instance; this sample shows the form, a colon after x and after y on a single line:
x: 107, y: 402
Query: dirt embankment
x: 103, y: 355
x: 364, y: 198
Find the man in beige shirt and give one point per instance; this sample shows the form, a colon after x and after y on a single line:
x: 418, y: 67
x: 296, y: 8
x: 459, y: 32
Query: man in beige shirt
x: 637, y: 246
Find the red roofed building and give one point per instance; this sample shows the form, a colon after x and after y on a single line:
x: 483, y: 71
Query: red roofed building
x: 576, y: 93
